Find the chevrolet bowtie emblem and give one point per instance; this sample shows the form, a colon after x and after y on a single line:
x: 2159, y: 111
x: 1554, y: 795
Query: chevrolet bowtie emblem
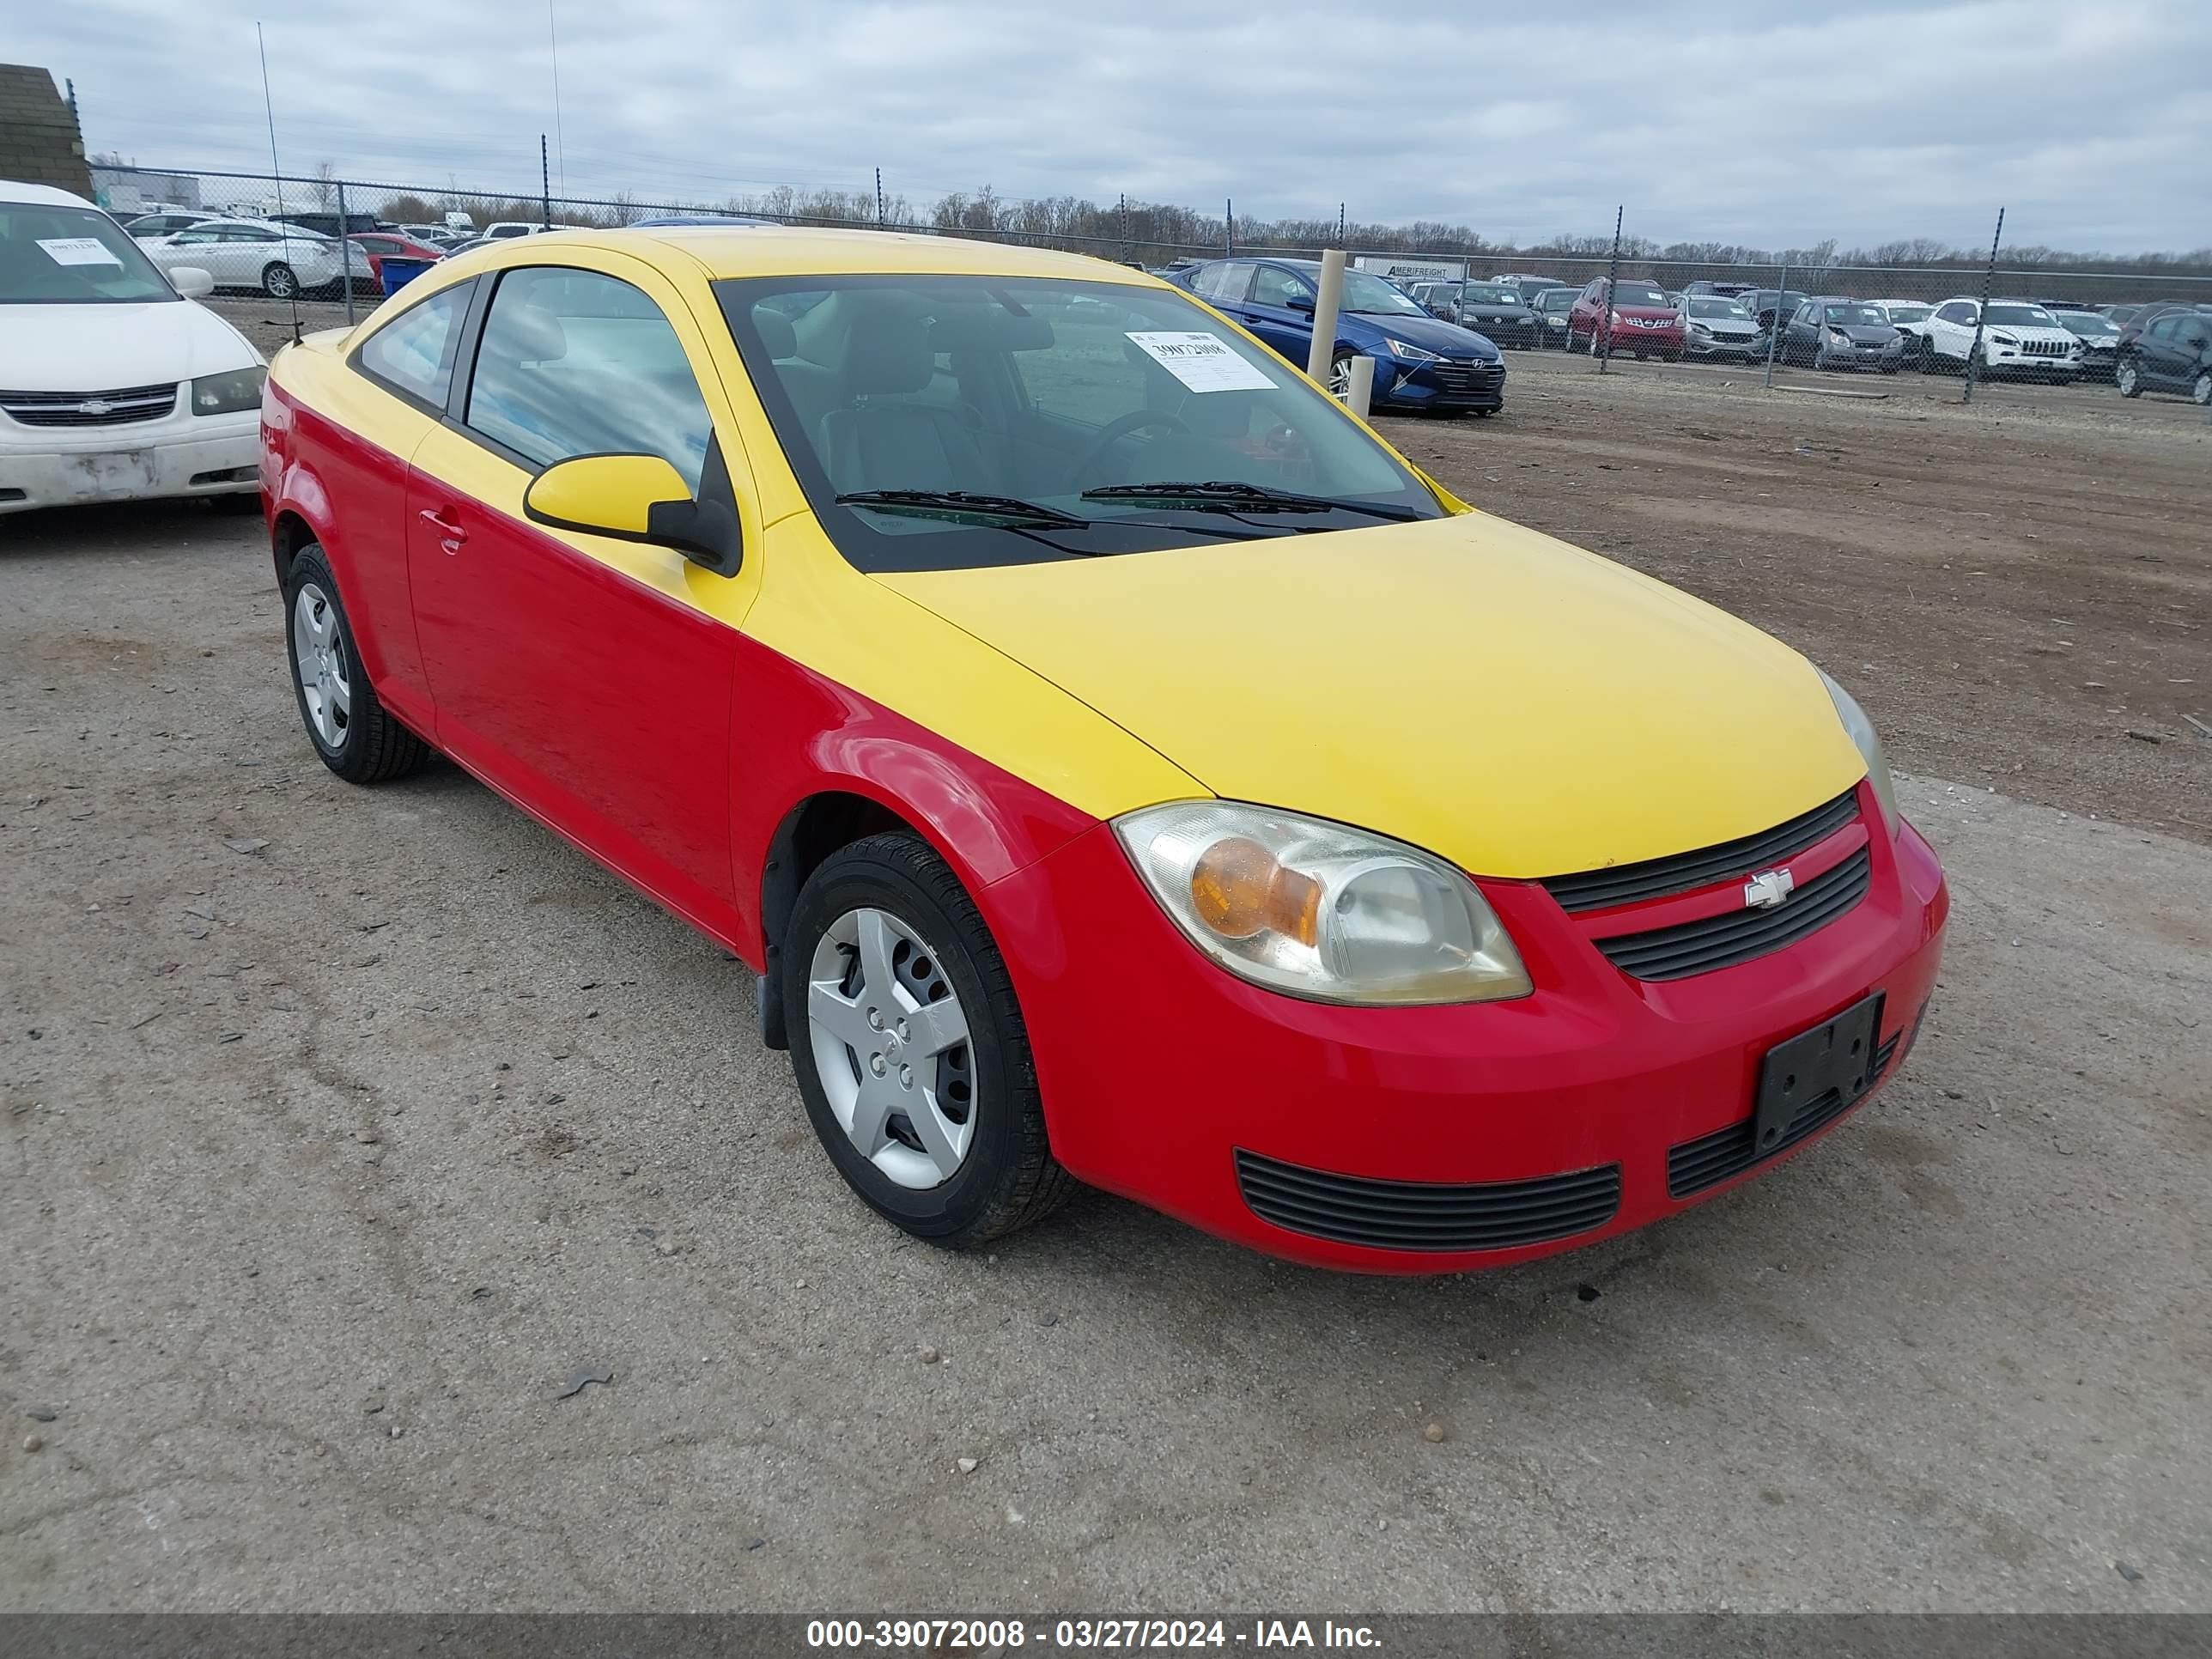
x: 1768, y: 889
x: 95, y: 406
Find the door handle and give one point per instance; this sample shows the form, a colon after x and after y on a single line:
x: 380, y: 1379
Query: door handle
x: 451, y: 535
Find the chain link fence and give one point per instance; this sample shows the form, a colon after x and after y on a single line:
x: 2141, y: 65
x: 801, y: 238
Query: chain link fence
x: 1156, y: 236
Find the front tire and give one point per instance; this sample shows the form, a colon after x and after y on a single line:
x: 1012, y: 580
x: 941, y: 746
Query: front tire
x: 356, y: 736
x: 277, y: 281
x: 2200, y: 390
x: 2128, y: 378
x: 910, y: 1049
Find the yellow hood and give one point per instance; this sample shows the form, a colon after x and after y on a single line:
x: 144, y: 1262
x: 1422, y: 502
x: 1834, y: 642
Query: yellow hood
x: 1513, y: 703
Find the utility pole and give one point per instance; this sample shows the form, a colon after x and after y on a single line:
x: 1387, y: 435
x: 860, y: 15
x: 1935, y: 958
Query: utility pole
x: 546, y: 180
x: 1229, y: 227
x: 1340, y: 224
x: 1982, y: 313
x: 880, y: 198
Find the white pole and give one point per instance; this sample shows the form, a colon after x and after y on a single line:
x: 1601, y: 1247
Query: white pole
x: 1323, y: 351
x: 1362, y: 385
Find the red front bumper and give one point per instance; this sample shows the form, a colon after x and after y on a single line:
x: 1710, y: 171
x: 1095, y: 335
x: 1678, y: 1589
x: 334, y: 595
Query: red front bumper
x: 1158, y: 1067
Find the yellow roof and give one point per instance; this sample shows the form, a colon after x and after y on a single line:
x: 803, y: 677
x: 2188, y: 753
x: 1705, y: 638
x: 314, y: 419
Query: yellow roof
x: 779, y: 251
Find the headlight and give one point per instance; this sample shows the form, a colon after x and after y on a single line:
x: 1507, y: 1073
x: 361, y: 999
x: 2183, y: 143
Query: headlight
x: 1411, y: 354
x: 226, y: 394
x: 1836, y: 337
x: 1862, y: 734
x: 1318, y: 910
x: 1699, y: 328
x: 2005, y: 339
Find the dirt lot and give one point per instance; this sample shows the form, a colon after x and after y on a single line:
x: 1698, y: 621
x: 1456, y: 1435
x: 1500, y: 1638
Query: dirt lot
x: 342, y: 1125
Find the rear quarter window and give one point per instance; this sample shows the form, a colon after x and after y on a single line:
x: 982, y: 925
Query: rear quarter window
x: 413, y: 354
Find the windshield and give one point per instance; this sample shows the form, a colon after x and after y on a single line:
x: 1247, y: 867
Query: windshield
x: 1905, y: 313
x: 1490, y: 294
x: 71, y: 256
x: 1640, y: 294
x: 1559, y: 299
x: 1713, y: 305
x: 2021, y: 317
x: 2088, y: 322
x: 1364, y: 291
x: 1034, y: 391
x: 1852, y: 315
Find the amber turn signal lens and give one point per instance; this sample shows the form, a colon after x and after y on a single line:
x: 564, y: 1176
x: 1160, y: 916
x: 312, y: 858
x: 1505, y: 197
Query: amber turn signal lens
x: 1238, y: 888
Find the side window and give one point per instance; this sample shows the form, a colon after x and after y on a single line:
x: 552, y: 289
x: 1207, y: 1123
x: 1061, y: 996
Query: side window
x: 1226, y: 283
x: 1275, y: 286
x: 575, y: 363
x: 413, y: 354
x: 2162, y: 328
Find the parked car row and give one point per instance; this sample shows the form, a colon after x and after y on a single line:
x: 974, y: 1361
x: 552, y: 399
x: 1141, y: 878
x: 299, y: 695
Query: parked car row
x: 1422, y: 362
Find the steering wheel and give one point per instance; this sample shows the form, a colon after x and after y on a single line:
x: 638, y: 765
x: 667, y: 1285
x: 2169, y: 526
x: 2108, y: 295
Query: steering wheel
x: 1135, y: 421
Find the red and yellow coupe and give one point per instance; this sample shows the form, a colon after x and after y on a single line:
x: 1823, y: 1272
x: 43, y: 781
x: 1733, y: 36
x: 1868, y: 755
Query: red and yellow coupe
x: 1117, y: 763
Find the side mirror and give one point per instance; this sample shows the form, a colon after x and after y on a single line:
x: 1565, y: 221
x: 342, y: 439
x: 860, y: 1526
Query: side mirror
x: 193, y: 281
x: 1300, y: 301
x: 634, y: 498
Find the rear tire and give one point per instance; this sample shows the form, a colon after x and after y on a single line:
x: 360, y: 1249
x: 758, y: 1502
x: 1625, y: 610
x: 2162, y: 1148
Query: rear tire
x: 277, y: 281
x: 933, y: 950
x: 352, y: 732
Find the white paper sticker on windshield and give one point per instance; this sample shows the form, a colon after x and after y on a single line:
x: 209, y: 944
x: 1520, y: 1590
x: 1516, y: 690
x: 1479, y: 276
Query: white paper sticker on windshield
x: 1204, y: 362
x: 79, y: 251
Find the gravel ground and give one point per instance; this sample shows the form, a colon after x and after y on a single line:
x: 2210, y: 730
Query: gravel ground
x: 344, y: 1126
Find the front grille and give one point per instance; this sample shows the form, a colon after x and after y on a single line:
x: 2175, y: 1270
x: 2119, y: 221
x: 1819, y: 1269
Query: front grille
x: 1697, y: 1164
x: 2045, y: 348
x: 1421, y: 1215
x: 1466, y: 379
x: 120, y: 408
x: 1685, y: 872
x: 1738, y: 936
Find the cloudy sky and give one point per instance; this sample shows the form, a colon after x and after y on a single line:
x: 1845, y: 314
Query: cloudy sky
x: 2089, y: 120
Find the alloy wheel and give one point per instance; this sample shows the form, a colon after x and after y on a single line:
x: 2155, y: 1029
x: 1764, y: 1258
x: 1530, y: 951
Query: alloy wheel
x: 891, y: 1047
x: 2200, y: 394
x: 278, y: 282
x: 318, y: 657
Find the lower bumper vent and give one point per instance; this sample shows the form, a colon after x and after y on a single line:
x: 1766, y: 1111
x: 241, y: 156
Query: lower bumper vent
x: 1421, y: 1215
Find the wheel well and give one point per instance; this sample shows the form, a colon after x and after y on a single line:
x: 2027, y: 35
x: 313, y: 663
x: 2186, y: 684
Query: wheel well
x: 809, y: 834
x: 291, y: 533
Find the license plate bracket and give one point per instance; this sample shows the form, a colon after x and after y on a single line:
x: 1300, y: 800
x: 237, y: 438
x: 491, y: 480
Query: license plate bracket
x: 1835, y: 1055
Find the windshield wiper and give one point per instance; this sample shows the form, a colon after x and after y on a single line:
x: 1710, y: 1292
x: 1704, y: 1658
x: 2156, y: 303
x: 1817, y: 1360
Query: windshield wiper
x: 961, y: 501
x: 1226, y: 496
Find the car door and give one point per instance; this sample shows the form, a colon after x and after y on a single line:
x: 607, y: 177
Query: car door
x: 192, y: 247
x: 402, y: 376
x: 2194, y: 337
x: 586, y: 678
x: 1270, y: 314
x: 1951, y: 329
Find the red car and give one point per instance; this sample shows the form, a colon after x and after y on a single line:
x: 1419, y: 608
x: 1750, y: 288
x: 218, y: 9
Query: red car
x: 1636, y: 318
x: 380, y: 244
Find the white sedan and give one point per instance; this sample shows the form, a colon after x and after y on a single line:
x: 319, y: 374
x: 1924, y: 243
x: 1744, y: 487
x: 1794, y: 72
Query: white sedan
x: 278, y: 260
x: 113, y: 384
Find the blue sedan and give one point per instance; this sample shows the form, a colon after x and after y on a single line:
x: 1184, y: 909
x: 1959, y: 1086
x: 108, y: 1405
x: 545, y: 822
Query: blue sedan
x: 1420, y: 362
